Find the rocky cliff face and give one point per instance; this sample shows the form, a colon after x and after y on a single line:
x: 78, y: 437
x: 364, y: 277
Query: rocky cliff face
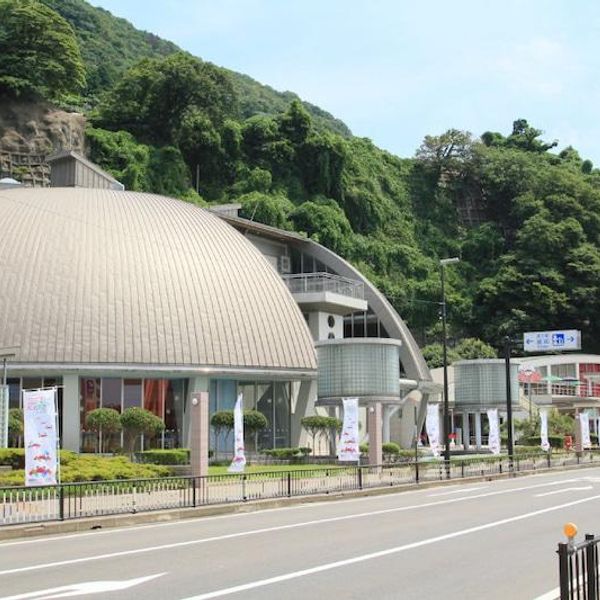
x: 29, y: 132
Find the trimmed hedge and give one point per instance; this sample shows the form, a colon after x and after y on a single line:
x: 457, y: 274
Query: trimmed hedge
x: 556, y: 441
x: 287, y: 453
x: 177, y: 456
x: 75, y: 467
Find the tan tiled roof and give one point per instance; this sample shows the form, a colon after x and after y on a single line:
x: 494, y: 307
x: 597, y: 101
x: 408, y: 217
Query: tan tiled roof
x: 102, y: 276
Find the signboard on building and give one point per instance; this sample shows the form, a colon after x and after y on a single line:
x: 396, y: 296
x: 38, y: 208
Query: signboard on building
x: 3, y: 416
x: 550, y: 341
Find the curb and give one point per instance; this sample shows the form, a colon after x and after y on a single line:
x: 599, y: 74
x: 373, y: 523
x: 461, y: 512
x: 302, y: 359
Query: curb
x: 15, y: 532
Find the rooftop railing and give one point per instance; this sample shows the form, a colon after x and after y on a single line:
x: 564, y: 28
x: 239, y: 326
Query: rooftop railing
x: 303, y: 283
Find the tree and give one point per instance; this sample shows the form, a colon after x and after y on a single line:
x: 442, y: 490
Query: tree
x: 222, y: 422
x: 103, y: 421
x: 434, y: 355
x: 15, y: 425
x: 319, y: 425
x: 254, y: 421
x: 39, y: 54
x: 153, y: 97
x: 473, y: 348
x: 139, y: 421
x: 324, y: 221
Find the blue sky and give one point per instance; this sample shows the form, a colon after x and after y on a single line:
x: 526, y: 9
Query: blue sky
x: 395, y: 71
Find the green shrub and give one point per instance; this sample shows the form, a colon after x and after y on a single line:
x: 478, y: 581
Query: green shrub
x: 76, y: 467
x: 179, y: 456
x: 103, y: 421
x: 364, y: 448
x: 12, y: 457
x: 556, y: 441
x: 15, y: 425
x: 390, y: 448
x: 137, y: 421
x: 288, y: 453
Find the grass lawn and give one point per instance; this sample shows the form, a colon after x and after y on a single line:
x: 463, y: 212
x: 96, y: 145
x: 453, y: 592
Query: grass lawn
x: 222, y: 470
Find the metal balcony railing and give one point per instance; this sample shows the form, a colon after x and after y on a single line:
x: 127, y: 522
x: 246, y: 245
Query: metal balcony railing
x: 303, y: 283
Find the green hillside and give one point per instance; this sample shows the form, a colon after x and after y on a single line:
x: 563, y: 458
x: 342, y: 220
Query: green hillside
x: 524, y: 219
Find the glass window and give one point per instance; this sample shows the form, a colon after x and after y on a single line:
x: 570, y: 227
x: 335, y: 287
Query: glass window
x: 89, y: 400
x: 14, y: 392
x: 132, y: 393
x: 154, y: 396
x: 265, y: 406
x: 359, y: 324
x: 282, y: 415
x: 111, y: 393
x: 174, y: 395
x: 248, y: 391
x: 32, y: 383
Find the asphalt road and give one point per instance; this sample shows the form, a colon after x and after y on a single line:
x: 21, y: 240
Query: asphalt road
x: 492, y: 540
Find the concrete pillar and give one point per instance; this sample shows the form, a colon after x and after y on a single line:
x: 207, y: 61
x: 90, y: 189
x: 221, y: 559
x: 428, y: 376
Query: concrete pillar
x: 71, y: 417
x: 332, y: 412
x: 199, y: 434
x: 389, y: 410
x: 466, y: 430
x: 478, y: 430
x: 374, y: 424
x: 304, y: 406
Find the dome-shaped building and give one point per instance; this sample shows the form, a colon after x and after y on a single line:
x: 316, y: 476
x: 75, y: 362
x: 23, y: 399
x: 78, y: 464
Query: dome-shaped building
x: 127, y: 299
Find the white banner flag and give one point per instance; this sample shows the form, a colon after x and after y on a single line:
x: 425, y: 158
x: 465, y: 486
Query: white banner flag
x: 349, y: 448
x: 586, y: 442
x: 544, y: 443
x: 239, y: 457
x: 432, y: 425
x: 494, y: 434
x: 40, y: 437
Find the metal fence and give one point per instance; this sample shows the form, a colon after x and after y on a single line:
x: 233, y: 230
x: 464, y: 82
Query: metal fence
x: 324, y: 282
x: 97, y: 498
x: 578, y: 569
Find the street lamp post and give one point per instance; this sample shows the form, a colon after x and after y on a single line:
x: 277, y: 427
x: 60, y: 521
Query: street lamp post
x: 443, y: 263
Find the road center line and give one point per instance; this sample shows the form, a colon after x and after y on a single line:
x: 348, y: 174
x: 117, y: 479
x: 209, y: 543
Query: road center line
x: 364, y: 557
x: 274, y: 528
x: 466, y: 491
x: 570, y: 489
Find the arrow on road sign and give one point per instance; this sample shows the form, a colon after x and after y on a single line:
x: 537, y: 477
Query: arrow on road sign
x: 82, y: 589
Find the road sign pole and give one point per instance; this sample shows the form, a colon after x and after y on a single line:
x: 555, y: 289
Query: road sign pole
x: 509, y: 419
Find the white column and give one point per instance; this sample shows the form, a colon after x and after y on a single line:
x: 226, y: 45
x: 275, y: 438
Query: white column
x: 374, y: 426
x: 466, y: 432
x: 71, y: 416
x: 478, y: 430
x: 387, y: 414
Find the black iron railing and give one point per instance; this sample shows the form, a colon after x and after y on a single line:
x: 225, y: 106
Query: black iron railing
x: 97, y: 498
x: 578, y: 569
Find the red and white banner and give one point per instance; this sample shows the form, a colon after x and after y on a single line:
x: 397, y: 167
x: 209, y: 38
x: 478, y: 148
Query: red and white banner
x: 586, y: 442
x: 494, y: 433
x: 432, y: 425
x: 238, y: 463
x: 349, y: 450
x: 39, y: 410
x: 544, y: 443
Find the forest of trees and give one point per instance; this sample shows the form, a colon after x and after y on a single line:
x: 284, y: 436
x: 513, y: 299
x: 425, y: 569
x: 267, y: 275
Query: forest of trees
x: 523, y: 216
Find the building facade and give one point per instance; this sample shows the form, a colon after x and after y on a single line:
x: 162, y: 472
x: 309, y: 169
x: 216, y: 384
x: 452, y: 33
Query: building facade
x: 124, y: 299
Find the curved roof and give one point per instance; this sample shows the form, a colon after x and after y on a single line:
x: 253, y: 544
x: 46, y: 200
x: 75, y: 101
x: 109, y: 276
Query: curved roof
x: 94, y: 276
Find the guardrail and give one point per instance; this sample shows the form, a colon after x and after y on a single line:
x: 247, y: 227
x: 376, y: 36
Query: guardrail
x: 324, y: 282
x: 20, y: 505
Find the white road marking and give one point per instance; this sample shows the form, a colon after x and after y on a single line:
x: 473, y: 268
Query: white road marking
x: 570, y: 489
x: 381, y: 553
x: 218, y: 538
x: 79, y: 589
x: 307, y: 505
x: 462, y: 491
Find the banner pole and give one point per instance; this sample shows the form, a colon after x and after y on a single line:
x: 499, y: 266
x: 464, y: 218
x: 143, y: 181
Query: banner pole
x: 56, y: 425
